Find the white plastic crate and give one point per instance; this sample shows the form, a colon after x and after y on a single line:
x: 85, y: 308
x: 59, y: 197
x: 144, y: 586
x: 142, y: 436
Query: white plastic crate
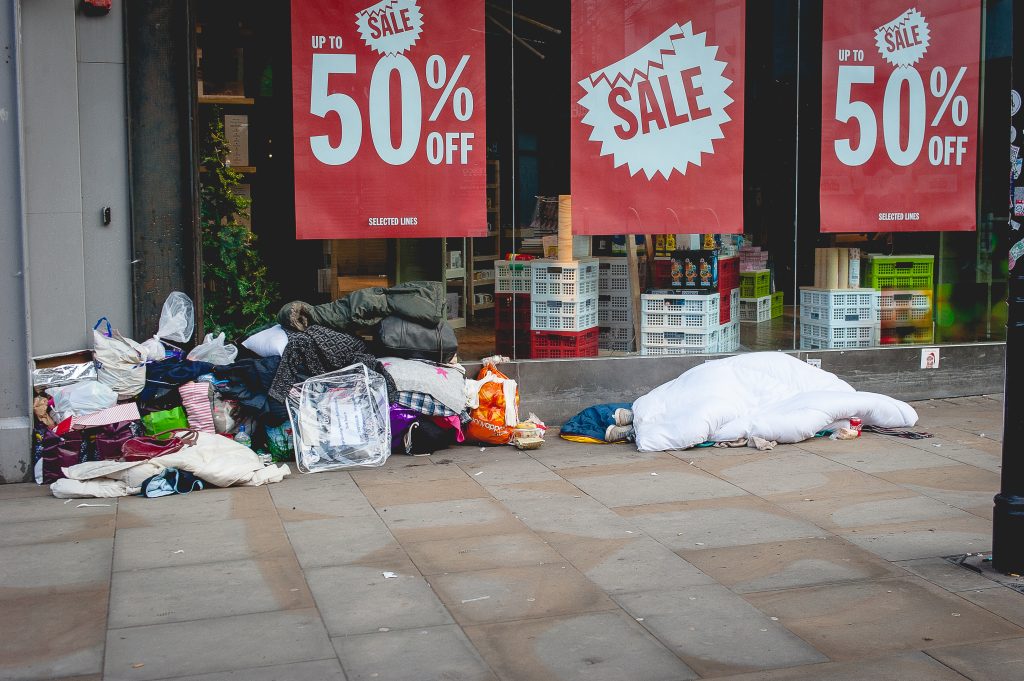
x: 839, y: 307
x: 685, y: 302
x: 512, y: 276
x: 564, y: 281
x: 680, y: 342
x: 614, y: 308
x: 564, y: 315
x: 613, y: 275
x: 913, y: 307
x: 619, y: 338
x: 822, y: 336
x: 729, y: 337
x: 756, y: 309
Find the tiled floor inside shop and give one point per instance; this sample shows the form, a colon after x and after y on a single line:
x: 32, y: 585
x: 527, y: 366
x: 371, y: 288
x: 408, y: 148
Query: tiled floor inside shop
x: 824, y: 560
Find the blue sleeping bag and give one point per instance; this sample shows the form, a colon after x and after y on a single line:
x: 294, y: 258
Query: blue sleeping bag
x: 591, y: 423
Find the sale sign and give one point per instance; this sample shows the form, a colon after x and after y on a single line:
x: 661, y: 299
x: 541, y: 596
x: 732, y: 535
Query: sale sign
x: 389, y: 118
x: 657, y: 122
x: 899, y: 134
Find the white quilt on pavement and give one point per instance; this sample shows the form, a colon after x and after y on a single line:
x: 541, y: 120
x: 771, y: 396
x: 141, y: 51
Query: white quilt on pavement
x: 770, y: 395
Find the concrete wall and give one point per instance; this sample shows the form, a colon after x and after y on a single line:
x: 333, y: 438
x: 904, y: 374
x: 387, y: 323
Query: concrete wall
x: 76, y: 163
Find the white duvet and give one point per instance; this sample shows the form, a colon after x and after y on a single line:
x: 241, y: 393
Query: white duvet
x: 770, y: 395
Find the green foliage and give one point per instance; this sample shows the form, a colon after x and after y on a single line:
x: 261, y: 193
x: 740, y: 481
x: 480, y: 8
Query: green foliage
x: 237, y: 294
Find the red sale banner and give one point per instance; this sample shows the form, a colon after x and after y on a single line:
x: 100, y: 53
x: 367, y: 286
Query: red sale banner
x: 657, y: 120
x: 899, y: 101
x: 389, y: 118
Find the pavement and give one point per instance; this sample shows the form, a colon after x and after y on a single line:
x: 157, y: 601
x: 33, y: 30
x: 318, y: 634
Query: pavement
x: 824, y: 560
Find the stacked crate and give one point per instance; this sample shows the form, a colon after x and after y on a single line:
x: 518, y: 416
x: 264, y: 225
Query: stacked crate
x: 685, y: 322
x: 512, y: 308
x: 564, y: 302
x: 906, y: 286
x: 752, y: 258
x: 729, y: 288
x: 756, y: 296
x: 838, y: 318
x: 615, y: 304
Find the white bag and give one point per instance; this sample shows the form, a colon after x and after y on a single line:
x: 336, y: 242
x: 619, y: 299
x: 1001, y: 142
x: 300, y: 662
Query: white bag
x: 268, y: 342
x: 177, y: 322
x: 122, y: 362
x: 214, y: 350
x: 81, y: 398
x: 340, y: 420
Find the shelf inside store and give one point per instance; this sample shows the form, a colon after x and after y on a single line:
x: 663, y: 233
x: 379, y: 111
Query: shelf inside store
x: 483, y: 282
x: 232, y: 100
x: 455, y: 273
x: 485, y: 258
x: 483, y: 306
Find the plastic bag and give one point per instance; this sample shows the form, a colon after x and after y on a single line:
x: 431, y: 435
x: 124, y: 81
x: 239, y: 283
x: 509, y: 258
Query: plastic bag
x: 121, y: 361
x: 340, y: 420
x: 497, y: 411
x: 214, y: 350
x: 82, y: 398
x: 177, y: 322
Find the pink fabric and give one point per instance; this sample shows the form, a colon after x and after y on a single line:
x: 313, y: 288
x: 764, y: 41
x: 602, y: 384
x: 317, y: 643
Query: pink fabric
x: 197, y: 398
x: 129, y: 411
x: 452, y: 422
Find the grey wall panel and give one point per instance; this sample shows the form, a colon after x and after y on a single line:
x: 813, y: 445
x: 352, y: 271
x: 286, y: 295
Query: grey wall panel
x: 50, y: 89
x: 55, y: 280
x: 101, y: 39
x: 104, y: 143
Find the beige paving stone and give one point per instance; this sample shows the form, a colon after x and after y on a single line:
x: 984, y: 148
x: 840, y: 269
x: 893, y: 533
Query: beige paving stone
x: 396, y: 493
x: 533, y: 490
x: 714, y: 523
x: 1001, y: 600
x: 24, y: 490
x: 47, y: 531
x: 862, y: 619
x: 206, y: 591
x: 56, y: 564
x: 449, y: 519
x: 908, y: 666
x: 362, y: 599
x: 715, y: 631
x: 580, y: 455
x: 660, y: 463
x: 215, y: 645
x: 411, y: 655
x: 989, y: 661
x: 52, y: 631
x: 504, y: 470
x: 424, y: 470
x: 965, y: 487
x: 846, y: 512
x: 924, y: 538
x: 316, y: 670
x: 606, y: 646
x: 561, y: 518
x: 518, y: 593
x: 781, y: 471
x: 681, y: 483
x: 318, y: 496
x: 947, y: 575
x: 22, y: 509
x: 464, y: 554
x: 891, y: 457
x: 196, y: 507
x: 343, y: 541
x: 626, y: 565
x: 789, y: 564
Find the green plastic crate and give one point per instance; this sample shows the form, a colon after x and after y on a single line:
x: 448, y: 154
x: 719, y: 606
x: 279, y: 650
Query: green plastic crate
x: 903, y: 272
x: 755, y: 284
x: 777, y: 304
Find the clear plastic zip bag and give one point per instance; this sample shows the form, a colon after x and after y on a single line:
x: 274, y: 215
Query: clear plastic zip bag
x: 340, y: 420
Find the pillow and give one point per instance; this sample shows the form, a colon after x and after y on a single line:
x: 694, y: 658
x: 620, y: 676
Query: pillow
x: 267, y: 343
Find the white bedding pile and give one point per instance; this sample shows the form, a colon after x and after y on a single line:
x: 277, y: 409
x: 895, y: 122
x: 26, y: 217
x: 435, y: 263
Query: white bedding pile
x: 769, y: 395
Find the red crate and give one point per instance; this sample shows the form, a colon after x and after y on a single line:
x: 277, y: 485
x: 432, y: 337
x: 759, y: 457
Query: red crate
x: 516, y: 344
x: 725, y: 303
x: 662, y: 273
x: 564, y: 344
x: 728, y: 274
x: 511, y: 311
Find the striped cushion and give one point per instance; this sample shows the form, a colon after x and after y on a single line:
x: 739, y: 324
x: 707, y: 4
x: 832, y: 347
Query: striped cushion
x: 197, y: 398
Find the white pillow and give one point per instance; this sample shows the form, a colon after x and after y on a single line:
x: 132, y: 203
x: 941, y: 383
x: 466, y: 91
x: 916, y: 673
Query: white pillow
x: 267, y: 343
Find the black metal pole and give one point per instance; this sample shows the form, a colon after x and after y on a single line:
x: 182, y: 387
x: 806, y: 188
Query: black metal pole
x: 1008, y: 515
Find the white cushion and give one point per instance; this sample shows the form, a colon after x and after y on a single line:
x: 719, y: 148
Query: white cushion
x: 267, y: 343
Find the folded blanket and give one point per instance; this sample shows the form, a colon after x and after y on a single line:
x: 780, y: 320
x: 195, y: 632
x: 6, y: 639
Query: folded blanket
x: 445, y: 383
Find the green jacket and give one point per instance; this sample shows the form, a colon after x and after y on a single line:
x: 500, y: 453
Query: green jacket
x: 422, y: 302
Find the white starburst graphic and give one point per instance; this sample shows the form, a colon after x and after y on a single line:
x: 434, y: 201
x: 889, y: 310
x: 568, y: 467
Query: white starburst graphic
x: 390, y: 27
x: 904, y: 40
x: 661, y: 108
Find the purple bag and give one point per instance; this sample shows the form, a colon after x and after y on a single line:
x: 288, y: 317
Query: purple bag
x: 57, y: 452
x: 111, y: 438
x: 401, y: 419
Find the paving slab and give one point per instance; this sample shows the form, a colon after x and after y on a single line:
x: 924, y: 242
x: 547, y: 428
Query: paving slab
x: 1000, y: 600
x: 317, y: 670
x: 890, y: 456
x: 627, y: 565
x: 318, y: 496
x: 605, y: 646
x: 24, y: 490
x: 861, y: 619
x: 449, y: 519
x: 343, y: 541
x: 789, y: 564
x: 411, y: 655
x: 206, y: 591
x: 421, y: 469
x: 506, y: 594
x: 194, y: 543
x: 989, y: 661
x: 847, y: 512
x: 966, y: 487
x: 924, y: 538
x: 195, y: 507
x: 782, y: 471
x: 564, y: 518
x: 62, y: 530
x: 215, y: 645
x: 417, y: 492
x: 493, y: 471
x: 715, y: 631
x: 942, y: 573
x: 32, y: 507
x: 464, y: 554
x: 57, y: 564
x: 360, y: 599
x: 681, y: 483
x: 910, y: 666
x: 717, y: 523
x: 575, y: 455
